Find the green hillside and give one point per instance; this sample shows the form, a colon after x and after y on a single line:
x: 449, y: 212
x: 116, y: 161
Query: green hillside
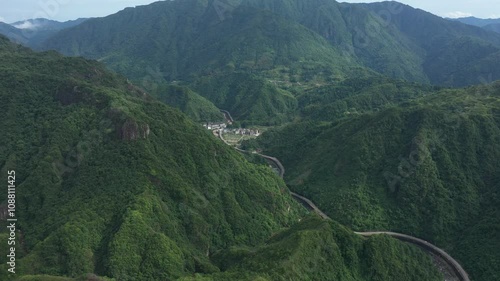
x: 111, y: 181
x: 117, y: 179
x: 200, y: 43
x: 316, y: 249
x: 205, y: 47
x: 248, y: 98
x: 397, y: 40
x: 453, y: 53
x: 356, y: 96
x: 189, y: 102
x: 258, y: 58
x: 42, y: 30
x: 493, y: 27
x: 313, y: 42
x: 476, y: 21
x: 427, y: 166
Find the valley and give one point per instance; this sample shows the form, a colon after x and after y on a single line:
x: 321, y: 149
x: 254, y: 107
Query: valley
x: 152, y: 143
x: 450, y: 268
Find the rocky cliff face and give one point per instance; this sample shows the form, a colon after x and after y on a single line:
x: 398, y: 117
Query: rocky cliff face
x: 131, y: 130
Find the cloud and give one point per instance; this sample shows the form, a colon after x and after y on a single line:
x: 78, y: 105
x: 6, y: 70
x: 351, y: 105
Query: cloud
x: 26, y: 25
x: 2, y: 19
x: 457, y: 14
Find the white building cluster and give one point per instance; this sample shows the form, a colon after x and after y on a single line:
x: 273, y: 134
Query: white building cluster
x: 214, y: 126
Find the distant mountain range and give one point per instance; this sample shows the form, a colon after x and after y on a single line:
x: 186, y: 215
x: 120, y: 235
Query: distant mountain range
x: 114, y: 182
x: 477, y: 21
x: 356, y: 100
x: 493, y: 27
x: 46, y: 24
x: 487, y: 24
x: 33, y: 32
x: 327, y: 34
x: 382, y: 154
x: 281, y: 46
x: 288, y: 32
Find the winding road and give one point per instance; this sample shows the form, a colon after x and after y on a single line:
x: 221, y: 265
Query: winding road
x: 227, y: 115
x: 454, y: 270
x: 459, y: 272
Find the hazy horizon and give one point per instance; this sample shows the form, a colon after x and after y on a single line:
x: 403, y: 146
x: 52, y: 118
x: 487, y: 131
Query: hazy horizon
x: 63, y: 10
x: 453, y: 9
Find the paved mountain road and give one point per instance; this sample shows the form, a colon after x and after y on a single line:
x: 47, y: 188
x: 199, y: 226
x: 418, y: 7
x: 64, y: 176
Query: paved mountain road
x: 453, y: 272
x: 459, y: 273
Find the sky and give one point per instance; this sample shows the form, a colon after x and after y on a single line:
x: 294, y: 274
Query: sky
x: 62, y: 10
x: 453, y: 8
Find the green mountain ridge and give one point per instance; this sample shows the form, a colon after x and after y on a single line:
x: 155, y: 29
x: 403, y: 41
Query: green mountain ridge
x: 110, y: 181
x: 113, y: 182
x: 316, y: 249
x: 253, y: 35
x: 493, y: 27
x: 248, y: 98
x: 290, y: 46
x: 40, y: 30
x: 422, y: 164
x: 189, y: 102
x: 249, y: 40
x: 477, y: 21
x: 443, y: 42
x: 201, y: 46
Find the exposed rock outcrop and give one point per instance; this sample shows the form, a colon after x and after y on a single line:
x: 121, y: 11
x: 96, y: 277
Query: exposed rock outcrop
x: 131, y: 130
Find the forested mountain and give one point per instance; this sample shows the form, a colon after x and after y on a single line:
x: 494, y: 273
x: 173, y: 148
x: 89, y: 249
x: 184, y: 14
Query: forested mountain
x: 413, y: 159
x: 248, y: 97
x: 204, y: 44
x: 488, y: 24
x: 287, y: 45
x: 389, y: 37
x: 316, y: 249
x: 357, y: 33
x: 493, y: 27
x: 452, y: 53
x: 46, y: 24
x: 197, y: 44
x: 112, y: 182
x: 33, y: 32
x: 11, y: 32
x: 477, y: 21
x: 189, y: 102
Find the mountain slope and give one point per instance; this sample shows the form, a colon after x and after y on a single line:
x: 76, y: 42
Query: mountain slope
x: 493, y: 27
x: 477, y: 21
x: 316, y: 249
x: 188, y: 101
x: 11, y: 32
x: 355, y: 32
x: 34, y: 32
x: 46, y: 24
x: 202, y: 45
x: 453, y: 53
x: 248, y: 98
x: 316, y: 42
x: 110, y: 181
x: 426, y: 167
x: 113, y: 182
